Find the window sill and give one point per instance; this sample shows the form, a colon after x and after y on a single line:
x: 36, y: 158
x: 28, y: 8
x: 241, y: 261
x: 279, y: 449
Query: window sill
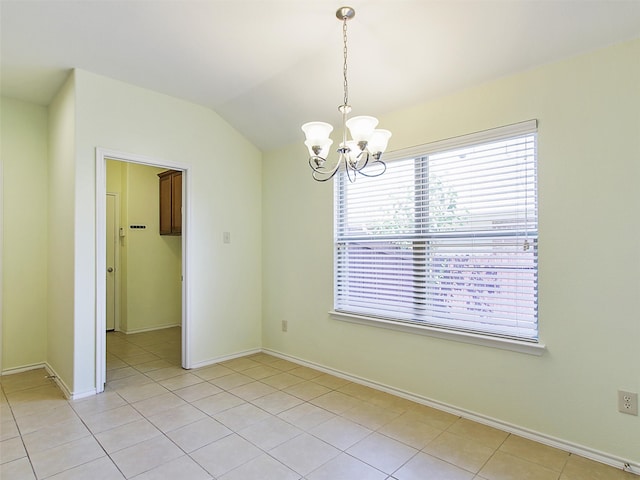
x: 494, y: 342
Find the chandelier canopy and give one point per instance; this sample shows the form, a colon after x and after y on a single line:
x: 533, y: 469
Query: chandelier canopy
x: 367, y: 143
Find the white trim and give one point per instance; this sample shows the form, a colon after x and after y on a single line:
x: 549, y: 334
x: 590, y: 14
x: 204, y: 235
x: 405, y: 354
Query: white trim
x: 52, y: 375
x: 515, y: 129
x: 469, y: 335
x: 150, y: 329
x: 542, y: 438
x: 102, y: 154
x: 116, y: 261
x: 24, y: 368
x: 1, y: 260
x: 59, y: 382
x: 79, y: 396
x: 63, y: 386
x: 224, y: 358
x: 101, y: 265
x: 186, y: 264
x: 455, y: 335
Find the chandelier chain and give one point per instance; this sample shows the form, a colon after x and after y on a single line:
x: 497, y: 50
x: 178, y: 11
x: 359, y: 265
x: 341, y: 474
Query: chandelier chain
x: 344, y: 67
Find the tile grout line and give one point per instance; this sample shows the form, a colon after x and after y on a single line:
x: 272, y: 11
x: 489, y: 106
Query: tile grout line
x: 364, y: 396
x: 250, y: 402
x: 15, y: 421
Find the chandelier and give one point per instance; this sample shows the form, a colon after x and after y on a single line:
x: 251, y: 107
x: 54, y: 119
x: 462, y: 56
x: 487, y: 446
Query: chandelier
x: 367, y: 143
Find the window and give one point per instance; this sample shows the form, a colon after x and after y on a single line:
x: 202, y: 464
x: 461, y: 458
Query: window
x: 446, y: 238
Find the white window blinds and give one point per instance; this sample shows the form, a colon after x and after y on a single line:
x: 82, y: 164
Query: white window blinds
x: 447, y: 237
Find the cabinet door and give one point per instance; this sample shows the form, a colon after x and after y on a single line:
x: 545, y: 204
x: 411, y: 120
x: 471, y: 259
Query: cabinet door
x: 176, y: 203
x: 165, y: 204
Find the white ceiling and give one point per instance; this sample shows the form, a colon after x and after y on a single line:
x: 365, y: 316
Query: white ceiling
x: 267, y: 66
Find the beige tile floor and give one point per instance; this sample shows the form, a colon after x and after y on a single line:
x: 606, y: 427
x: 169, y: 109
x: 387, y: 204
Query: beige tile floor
x: 256, y: 417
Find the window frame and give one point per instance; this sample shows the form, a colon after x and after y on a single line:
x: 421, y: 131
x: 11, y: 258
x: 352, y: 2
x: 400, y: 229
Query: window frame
x: 529, y: 346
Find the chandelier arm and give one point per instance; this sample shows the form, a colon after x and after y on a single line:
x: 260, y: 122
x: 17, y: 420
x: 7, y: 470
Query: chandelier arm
x: 365, y: 155
x: 316, y: 175
x: 315, y: 169
x: 349, y: 170
x: 370, y: 175
x: 321, y: 169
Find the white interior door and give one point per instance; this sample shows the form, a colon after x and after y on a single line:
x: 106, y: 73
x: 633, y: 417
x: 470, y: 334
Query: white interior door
x: 111, y: 244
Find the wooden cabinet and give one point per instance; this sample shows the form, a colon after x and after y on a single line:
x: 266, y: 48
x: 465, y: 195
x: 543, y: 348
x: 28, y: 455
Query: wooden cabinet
x: 170, y: 202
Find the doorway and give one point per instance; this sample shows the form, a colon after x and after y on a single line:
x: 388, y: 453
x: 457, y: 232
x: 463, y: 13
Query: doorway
x: 103, y: 219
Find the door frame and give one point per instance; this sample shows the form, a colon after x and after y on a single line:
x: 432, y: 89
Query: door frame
x: 116, y: 262
x: 102, y: 154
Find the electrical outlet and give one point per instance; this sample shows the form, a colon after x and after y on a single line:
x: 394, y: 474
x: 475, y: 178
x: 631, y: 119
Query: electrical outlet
x: 285, y: 325
x: 628, y: 402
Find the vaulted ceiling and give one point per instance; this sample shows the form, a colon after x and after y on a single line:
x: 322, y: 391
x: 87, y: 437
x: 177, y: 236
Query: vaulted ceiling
x: 267, y: 66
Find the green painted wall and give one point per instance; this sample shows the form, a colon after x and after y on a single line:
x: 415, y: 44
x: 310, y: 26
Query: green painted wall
x: 61, y: 282
x: 23, y: 151
x: 589, y: 170
x: 224, y: 297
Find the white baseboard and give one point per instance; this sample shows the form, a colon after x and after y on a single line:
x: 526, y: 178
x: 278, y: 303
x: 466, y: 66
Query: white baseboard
x: 150, y: 329
x: 567, y: 446
x: 570, y: 447
x: 51, y: 373
x: 56, y: 378
x: 78, y: 396
x: 224, y: 358
x: 65, y: 389
x: 24, y: 368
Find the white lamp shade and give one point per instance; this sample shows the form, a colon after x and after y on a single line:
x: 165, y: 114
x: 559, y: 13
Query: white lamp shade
x: 378, y: 141
x: 361, y: 127
x: 324, y: 148
x: 317, y: 133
